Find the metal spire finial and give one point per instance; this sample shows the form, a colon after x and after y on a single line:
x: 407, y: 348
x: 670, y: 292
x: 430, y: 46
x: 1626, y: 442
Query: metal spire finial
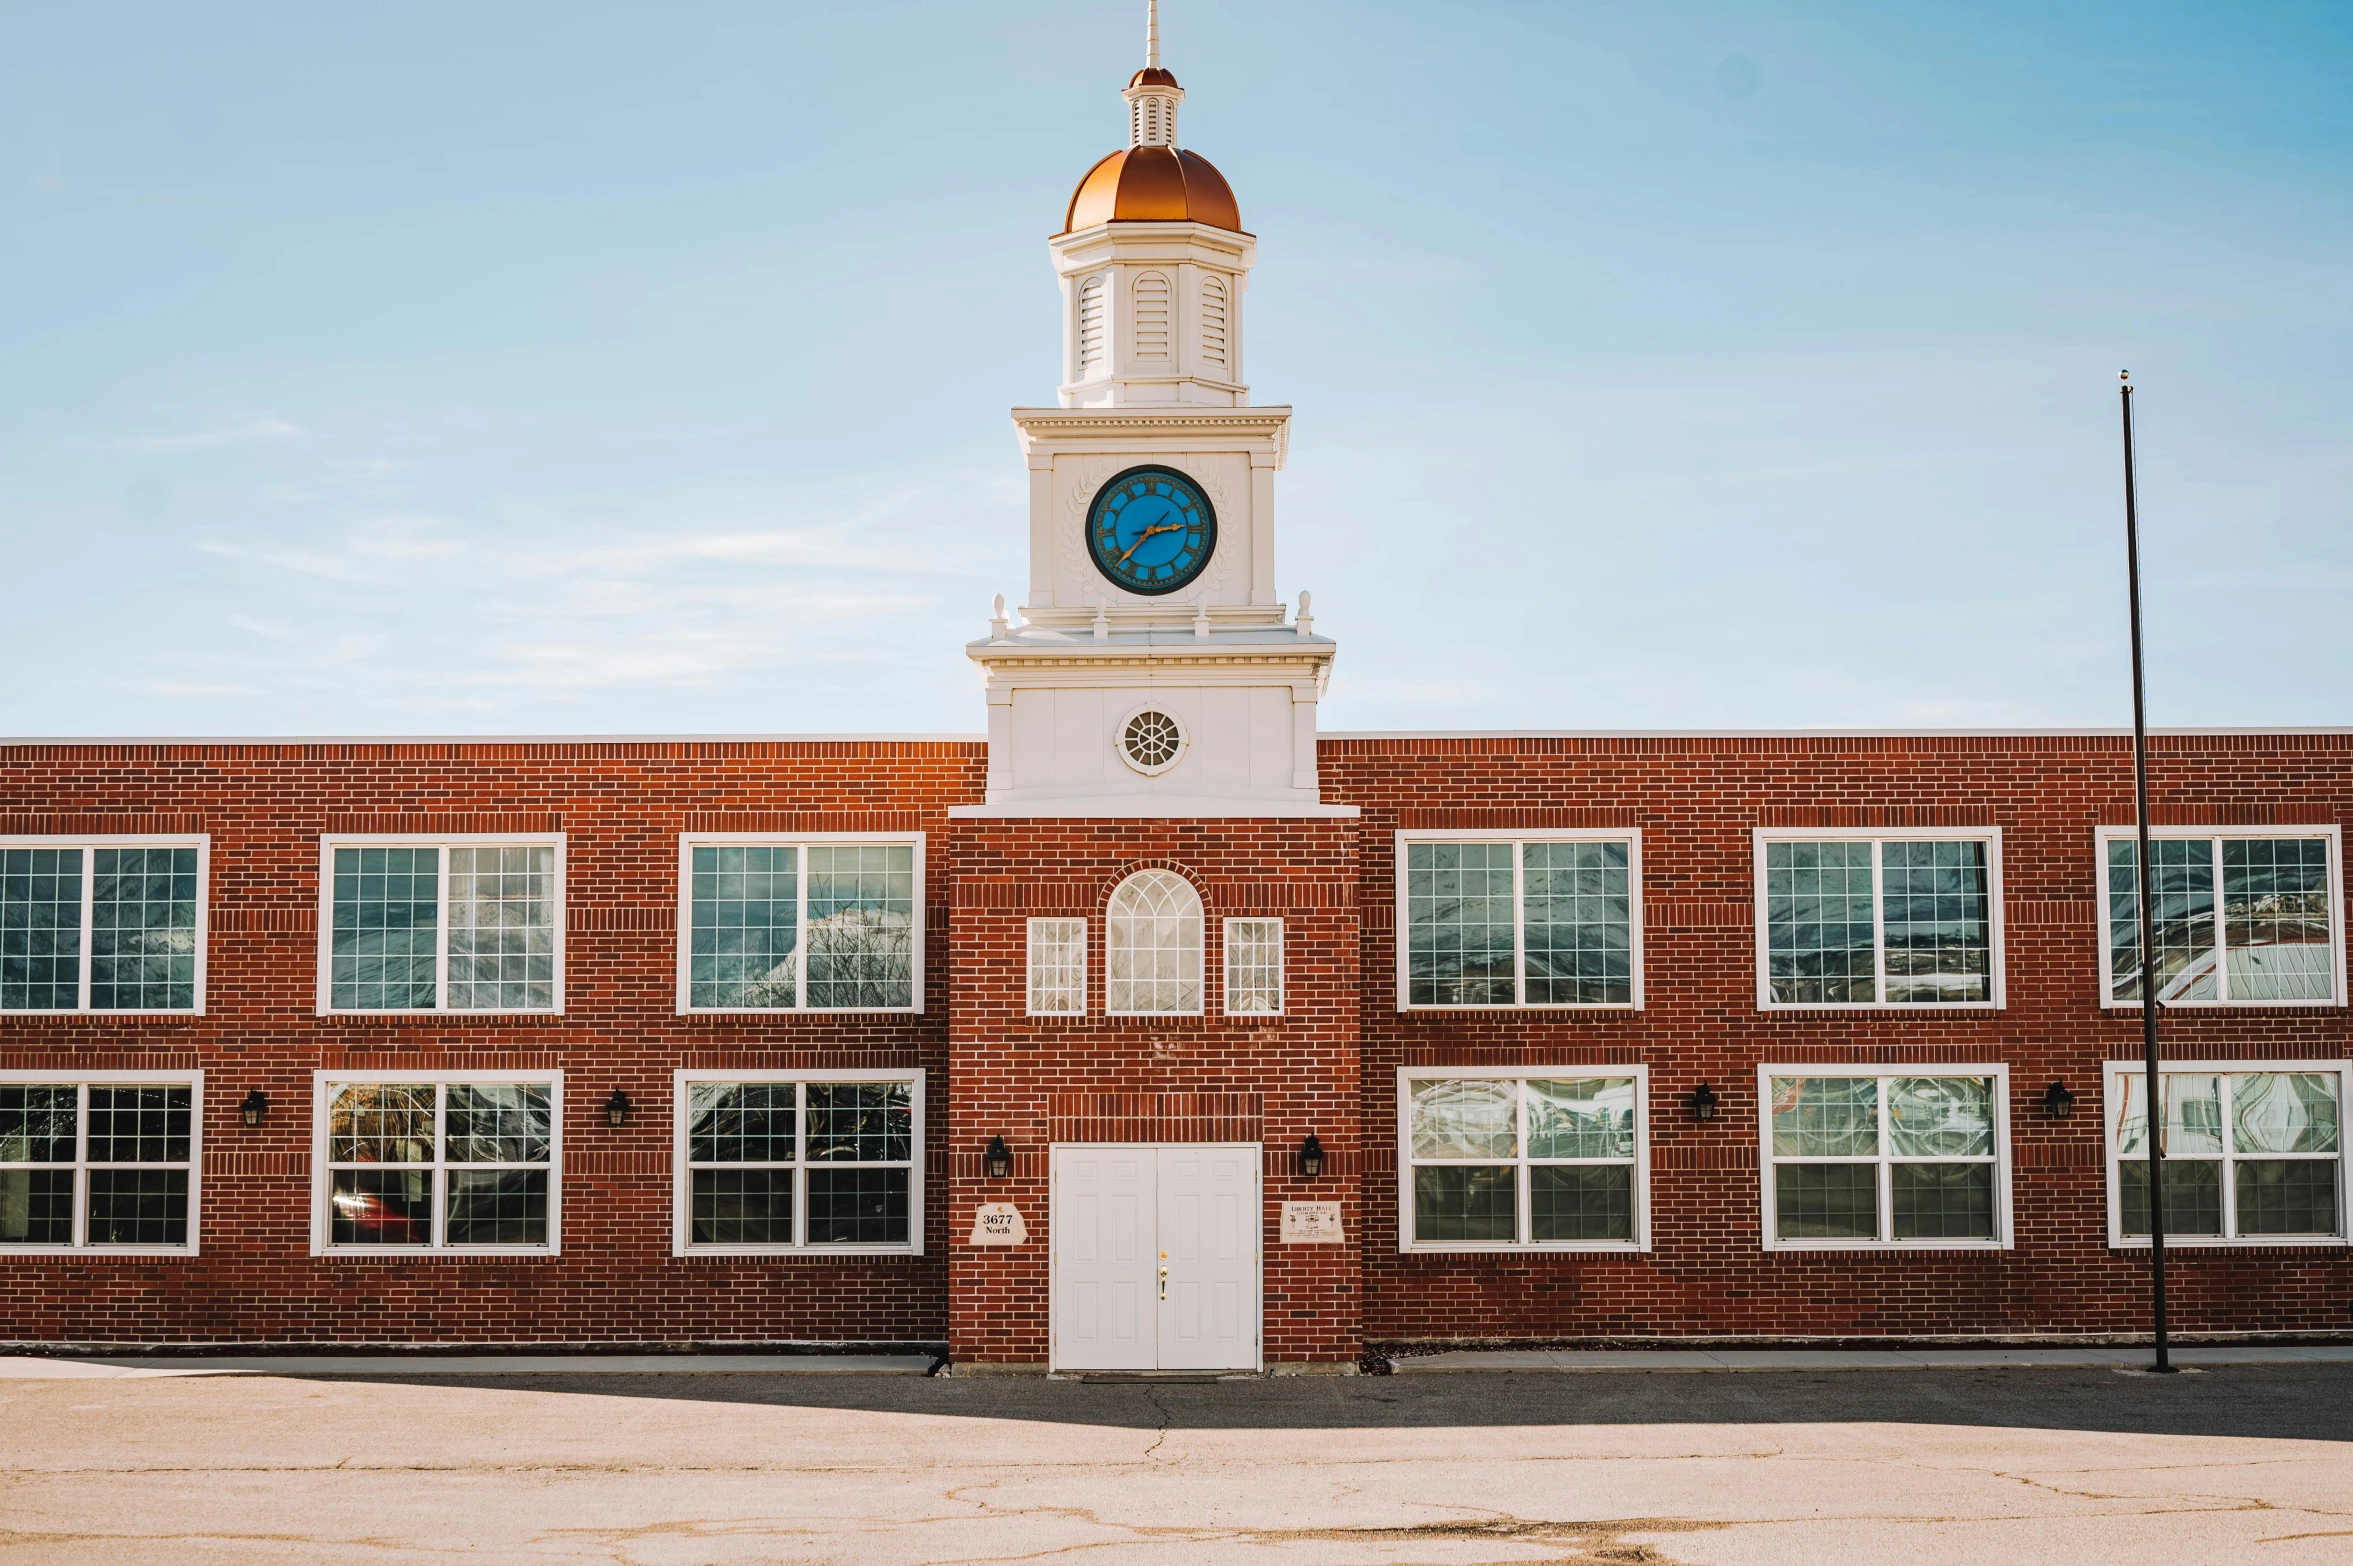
x: 1152, y: 35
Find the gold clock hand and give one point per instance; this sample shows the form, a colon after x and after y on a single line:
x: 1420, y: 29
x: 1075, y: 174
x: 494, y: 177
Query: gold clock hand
x: 1164, y: 527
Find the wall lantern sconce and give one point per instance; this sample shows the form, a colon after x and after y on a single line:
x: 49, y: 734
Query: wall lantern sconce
x: 617, y: 1109
x: 1703, y: 1102
x: 998, y: 1159
x: 1311, y: 1156
x: 256, y: 1107
x: 2058, y: 1103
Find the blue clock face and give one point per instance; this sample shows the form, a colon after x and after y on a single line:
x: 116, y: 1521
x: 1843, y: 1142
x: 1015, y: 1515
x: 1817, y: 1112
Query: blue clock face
x: 1151, y: 530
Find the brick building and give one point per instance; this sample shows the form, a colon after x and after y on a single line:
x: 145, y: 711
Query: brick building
x: 1157, y: 1030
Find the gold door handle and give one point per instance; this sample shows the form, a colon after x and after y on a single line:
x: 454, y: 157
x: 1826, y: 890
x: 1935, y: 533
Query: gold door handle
x: 1164, y: 1285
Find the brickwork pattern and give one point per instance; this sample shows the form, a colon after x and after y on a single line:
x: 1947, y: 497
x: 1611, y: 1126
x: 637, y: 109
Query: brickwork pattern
x: 1697, y: 801
x: 621, y: 807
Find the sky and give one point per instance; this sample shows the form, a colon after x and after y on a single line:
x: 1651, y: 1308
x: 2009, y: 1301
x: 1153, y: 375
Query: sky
x: 643, y: 369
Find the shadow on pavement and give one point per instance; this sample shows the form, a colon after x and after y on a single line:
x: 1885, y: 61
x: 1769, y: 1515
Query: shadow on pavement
x: 2299, y: 1402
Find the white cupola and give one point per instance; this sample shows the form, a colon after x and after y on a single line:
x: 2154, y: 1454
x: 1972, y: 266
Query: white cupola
x: 1153, y: 263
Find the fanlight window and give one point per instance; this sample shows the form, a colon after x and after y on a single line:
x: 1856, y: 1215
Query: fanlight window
x: 1152, y: 954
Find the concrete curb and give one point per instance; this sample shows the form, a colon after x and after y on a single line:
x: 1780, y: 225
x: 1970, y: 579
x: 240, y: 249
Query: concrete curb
x: 1701, y: 1361
x: 26, y: 1367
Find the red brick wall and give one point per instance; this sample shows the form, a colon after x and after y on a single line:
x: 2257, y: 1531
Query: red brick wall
x: 1697, y: 801
x: 1034, y: 1079
x: 1328, y: 1065
x: 621, y: 807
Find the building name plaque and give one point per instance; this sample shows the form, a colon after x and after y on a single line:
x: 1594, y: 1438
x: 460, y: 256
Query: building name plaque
x: 1312, y: 1223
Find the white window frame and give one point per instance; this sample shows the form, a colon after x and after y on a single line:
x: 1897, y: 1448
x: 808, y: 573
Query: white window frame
x: 688, y: 842
x: 2005, y: 1237
x: 2217, y: 836
x: 1407, y: 1244
x: 1029, y: 950
x: 1990, y: 836
x: 84, y: 1080
x: 322, y: 1182
x: 1226, y: 962
x: 1630, y: 836
x: 682, y: 1182
x: 200, y: 841
x: 2113, y: 1075
x: 1200, y: 949
x: 443, y: 842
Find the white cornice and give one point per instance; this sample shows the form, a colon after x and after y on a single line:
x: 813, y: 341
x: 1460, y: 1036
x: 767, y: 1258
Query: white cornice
x: 1056, y: 426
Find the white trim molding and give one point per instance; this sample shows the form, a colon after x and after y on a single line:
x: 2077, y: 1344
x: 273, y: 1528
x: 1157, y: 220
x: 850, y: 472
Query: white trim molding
x: 2117, y: 1080
x: 441, y: 843
x: 89, y: 844
x: 81, y: 1165
x: 323, y: 1085
x: 1884, y: 1159
x: 1408, y: 1241
x: 1879, y: 838
x: 688, y: 842
x: 2217, y: 955
x: 1519, y: 838
x: 682, y: 1166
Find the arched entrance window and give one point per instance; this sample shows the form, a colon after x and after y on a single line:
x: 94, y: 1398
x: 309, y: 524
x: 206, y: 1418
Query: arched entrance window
x: 1152, y: 946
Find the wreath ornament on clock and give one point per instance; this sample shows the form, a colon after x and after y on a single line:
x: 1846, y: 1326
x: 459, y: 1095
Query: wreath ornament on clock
x: 1151, y: 530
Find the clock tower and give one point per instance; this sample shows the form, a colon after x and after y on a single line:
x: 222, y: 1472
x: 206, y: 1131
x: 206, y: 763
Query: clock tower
x: 1152, y: 669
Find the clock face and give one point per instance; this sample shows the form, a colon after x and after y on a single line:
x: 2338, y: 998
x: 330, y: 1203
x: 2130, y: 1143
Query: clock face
x: 1151, y: 530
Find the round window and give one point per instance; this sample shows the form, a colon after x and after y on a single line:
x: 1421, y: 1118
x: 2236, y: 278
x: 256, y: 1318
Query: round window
x: 1151, y: 741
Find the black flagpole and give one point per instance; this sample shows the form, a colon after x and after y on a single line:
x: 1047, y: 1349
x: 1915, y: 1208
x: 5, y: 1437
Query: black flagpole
x: 2144, y: 883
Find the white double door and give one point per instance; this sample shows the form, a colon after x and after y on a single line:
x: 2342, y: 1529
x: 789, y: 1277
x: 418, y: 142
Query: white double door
x: 1156, y: 1252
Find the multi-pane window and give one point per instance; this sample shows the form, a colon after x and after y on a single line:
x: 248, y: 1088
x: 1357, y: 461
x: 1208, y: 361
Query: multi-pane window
x: 2255, y: 1156
x: 829, y: 925
x: 1254, y: 967
x: 2238, y: 919
x: 1893, y: 1158
x: 461, y: 925
x: 1849, y: 919
x: 1519, y: 921
x: 1152, y: 946
x: 451, y: 1164
x: 1496, y: 1161
x: 817, y: 1162
x: 105, y: 925
x: 104, y: 1161
x: 1057, y: 967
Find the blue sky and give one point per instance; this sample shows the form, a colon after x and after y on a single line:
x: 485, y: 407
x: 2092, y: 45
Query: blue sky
x: 582, y: 368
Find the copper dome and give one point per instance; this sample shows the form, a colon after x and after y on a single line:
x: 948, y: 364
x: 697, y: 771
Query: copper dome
x: 1153, y: 185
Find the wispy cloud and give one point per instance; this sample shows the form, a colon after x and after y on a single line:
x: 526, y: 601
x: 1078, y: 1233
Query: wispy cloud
x: 241, y: 432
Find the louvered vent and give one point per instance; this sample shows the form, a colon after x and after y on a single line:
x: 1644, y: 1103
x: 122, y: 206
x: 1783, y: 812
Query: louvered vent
x: 1090, y: 324
x: 1152, y: 316
x: 1213, y: 321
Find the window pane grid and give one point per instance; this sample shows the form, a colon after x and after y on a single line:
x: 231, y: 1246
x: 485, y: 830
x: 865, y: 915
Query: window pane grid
x: 1878, y: 922
x: 1057, y: 967
x: 462, y: 1164
x: 1884, y: 1159
x: 1523, y: 1161
x: 1519, y: 923
x: 1152, y: 947
x: 799, y: 1165
x: 1254, y: 967
x: 2238, y: 920
x: 143, y: 907
x: 96, y: 1165
x: 444, y: 927
x: 2249, y: 1155
x: 784, y: 926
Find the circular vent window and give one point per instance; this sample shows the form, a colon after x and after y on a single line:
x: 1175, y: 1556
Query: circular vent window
x: 1151, y: 741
